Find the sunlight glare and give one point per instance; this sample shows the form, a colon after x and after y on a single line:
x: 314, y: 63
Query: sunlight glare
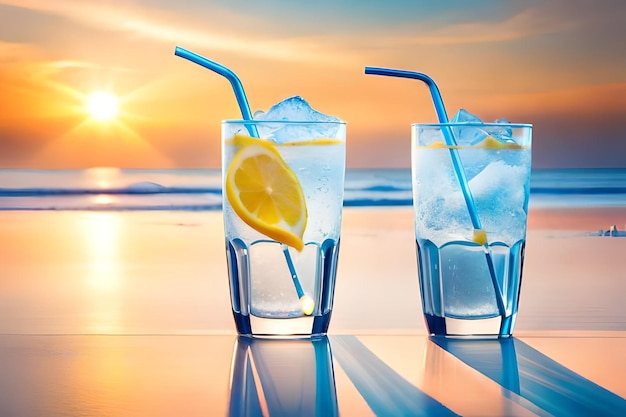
x: 105, y: 282
x: 102, y: 105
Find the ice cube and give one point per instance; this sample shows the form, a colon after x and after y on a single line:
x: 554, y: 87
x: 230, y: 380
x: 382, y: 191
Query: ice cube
x: 504, y: 134
x: 296, y: 109
x: 500, y: 193
x: 469, y: 135
x: 463, y: 116
x: 474, y: 135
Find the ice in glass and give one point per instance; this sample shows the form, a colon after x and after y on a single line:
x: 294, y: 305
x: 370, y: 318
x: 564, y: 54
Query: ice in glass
x: 470, y: 279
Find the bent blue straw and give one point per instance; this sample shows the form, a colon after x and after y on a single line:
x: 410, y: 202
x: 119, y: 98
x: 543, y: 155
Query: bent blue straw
x: 456, y: 162
x: 242, y: 101
x: 240, y: 94
x: 447, y: 132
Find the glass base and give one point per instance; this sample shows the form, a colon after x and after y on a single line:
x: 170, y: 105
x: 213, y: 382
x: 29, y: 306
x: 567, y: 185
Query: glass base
x: 488, y: 328
x: 298, y: 327
x: 265, y: 303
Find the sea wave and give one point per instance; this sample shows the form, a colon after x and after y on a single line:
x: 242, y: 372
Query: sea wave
x: 578, y: 190
x: 145, y: 188
x: 201, y: 189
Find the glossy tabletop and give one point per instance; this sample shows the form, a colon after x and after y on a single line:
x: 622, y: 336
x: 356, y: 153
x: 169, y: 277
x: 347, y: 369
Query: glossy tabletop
x: 127, y: 314
x: 109, y: 375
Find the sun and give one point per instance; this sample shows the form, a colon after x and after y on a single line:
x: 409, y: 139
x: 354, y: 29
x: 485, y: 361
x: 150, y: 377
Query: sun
x: 102, y: 105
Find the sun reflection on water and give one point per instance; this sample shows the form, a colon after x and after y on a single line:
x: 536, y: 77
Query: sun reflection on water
x: 105, y: 277
x: 103, y: 200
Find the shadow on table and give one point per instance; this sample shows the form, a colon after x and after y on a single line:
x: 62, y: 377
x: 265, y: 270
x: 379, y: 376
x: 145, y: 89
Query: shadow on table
x: 532, y: 379
x: 282, y: 378
x: 386, y: 392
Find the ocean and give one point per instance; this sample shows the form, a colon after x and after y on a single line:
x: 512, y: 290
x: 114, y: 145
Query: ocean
x: 109, y: 189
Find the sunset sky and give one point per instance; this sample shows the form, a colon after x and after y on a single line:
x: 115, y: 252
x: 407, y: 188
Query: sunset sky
x: 558, y: 64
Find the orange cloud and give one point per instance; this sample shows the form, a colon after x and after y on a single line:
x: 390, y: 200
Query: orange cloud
x: 247, y: 36
x: 527, y: 24
x: 574, y: 102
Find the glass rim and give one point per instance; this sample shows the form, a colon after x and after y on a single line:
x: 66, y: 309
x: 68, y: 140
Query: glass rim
x: 287, y: 122
x: 474, y: 124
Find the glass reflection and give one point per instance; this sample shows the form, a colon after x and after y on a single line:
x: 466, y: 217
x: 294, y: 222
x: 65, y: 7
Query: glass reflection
x: 531, y: 379
x: 271, y: 377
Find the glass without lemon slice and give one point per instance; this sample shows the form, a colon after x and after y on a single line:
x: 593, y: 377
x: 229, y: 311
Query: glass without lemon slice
x: 265, y: 193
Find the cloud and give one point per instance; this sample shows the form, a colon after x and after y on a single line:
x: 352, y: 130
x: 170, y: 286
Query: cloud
x: 217, y: 28
x: 547, y: 18
x: 573, y: 102
x: 530, y: 23
x: 220, y: 30
x: 11, y: 52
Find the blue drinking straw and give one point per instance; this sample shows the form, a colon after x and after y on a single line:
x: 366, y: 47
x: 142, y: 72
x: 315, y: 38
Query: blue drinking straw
x: 240, y: 94
x: 447, y: 132
x: 456, y: 162
x: 305, y: 301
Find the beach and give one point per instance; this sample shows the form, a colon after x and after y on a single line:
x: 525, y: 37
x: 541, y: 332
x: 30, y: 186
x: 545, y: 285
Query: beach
x: 164, y: 272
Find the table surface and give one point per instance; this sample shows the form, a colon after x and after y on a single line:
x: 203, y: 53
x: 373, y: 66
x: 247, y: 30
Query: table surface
x: 360, y: 375
x: 127, y: 314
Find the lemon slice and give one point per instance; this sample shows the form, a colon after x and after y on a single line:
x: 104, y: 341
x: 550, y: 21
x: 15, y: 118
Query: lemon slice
x: 265, y: 193
x: 488, y: 143
x: 480, y: 236
x: 492, y: 143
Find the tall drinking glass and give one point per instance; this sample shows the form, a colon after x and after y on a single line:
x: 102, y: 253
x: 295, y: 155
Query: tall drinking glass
x: 470, y: 279
x: 283, y: 195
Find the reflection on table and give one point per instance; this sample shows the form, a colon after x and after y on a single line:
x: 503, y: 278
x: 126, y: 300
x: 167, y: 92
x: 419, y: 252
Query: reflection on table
x: 272, y: 377
x: 283, y: 378
x: 349, y: 375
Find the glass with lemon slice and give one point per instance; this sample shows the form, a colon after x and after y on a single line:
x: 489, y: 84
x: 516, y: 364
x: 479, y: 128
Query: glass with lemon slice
x: 283, y: 198
x: 461, y: 295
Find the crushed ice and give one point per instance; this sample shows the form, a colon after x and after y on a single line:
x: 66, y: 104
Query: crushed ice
x: 294, y: 109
